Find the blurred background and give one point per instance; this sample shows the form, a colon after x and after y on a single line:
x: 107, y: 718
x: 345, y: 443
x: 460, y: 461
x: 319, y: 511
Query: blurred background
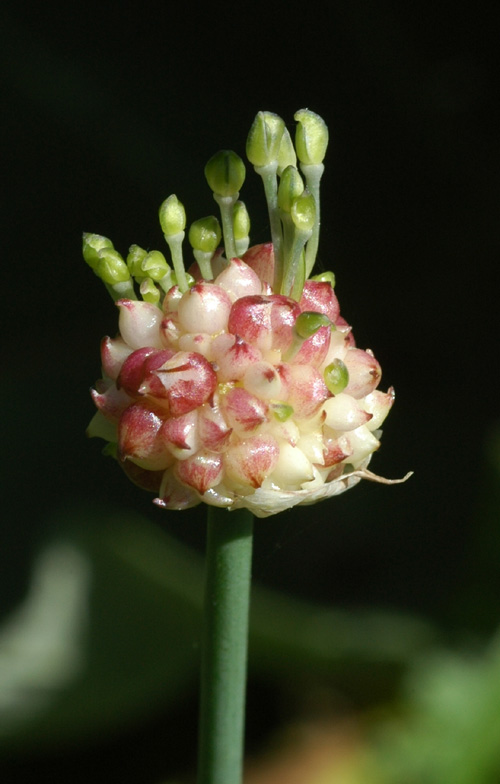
x: 374, y: 653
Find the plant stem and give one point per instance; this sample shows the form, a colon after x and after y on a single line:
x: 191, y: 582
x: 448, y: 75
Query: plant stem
x: 224, y: 652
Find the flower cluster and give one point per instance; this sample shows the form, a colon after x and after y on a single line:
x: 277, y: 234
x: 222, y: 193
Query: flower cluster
x: 238, y: 383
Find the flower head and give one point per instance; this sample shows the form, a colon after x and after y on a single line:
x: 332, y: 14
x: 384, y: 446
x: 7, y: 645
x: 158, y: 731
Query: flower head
x: 238, y: 382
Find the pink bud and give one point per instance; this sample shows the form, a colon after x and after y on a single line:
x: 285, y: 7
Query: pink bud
x: 170, y: 332
x: 306, y: 388
x: 314, y: 350
x: 343, y: 413
x: 250, y: 461
x: 147, y: 480
x: 239, y: 280
x: 213, y: 430
x: 139, y: 323
x: 111, y: 401
x: 262, y: 379
x: 378, y: 404
x: 187, y: 381
x: 335, y: 449
x: 113, y: 354
x: 201, y: 471
x: 138, y: 366
x: 175, y: 495
x: 319, y: 297
x: 242, y: 410
x: 204, y: 308
x: 139, y: 439
x: 364, y: 372
x: 261, y: 259
x: 180, y: 435
x: 232, y: 356
x: 265, y: 321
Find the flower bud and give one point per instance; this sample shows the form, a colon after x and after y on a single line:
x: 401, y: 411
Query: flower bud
x: 172, y: 216
x: 311, y: 137
x: 308, y: 323
x: 290, y: 188
x: 225, y: 173
x: 154, y: 265
x: 286, y: 155
x: 336, y: 376
x: 264, y: 139
x: 241, y: 221
x: 111, y: 268
x: 303, y: 211
x: 205, y: 234
x: 92, y: 244
x: 136, y: 256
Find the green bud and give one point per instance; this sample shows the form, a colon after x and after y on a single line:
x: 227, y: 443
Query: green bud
x: 281, y: 411
x: 336, y: 376
x: 309, y: 322
x: 92, y: 244
x: 172, y: 216
x: 136, y: 256
x: 149, y: 292
x: 241, y: 221
x: 225, y: 173
x: 205, y: 234
x: 325, y: 277
x: 303, y: 211
x: 154, y: 265
x: 286, y: 155
x: 264, y: 139
x: 291, y: 186
x: 111, y: 268
x: 311, y: 137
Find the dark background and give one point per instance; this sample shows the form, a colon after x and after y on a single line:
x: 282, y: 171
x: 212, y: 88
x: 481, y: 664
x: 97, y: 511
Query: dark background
x: 106, y: 111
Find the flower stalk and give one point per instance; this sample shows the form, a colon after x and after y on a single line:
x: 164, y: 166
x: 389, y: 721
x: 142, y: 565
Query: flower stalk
x: 224, y: 646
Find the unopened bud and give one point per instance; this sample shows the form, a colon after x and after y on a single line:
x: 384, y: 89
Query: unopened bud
x: 92, y: 244
x: 311, y: 137
x: 205, y: 234
x: 225, y: 173
x: 303, y: 211
x: 241, y: 221
x: 111, y: 268
x: 154, y: 265
x: 336, y: 376
x: 308, y: 323
x: 172, y: 216
x: 264, y: 139
x: 291, y: 186
x: 286, y: 155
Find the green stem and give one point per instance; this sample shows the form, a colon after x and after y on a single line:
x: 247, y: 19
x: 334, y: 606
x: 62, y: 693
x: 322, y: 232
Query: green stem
x: 224, y: 653
x: 313, y: 175
x: 268, y: 174
x: 226, y: 206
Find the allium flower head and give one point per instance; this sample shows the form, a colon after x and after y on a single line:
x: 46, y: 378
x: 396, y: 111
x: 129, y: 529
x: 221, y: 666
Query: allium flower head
x: 238, y: 383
